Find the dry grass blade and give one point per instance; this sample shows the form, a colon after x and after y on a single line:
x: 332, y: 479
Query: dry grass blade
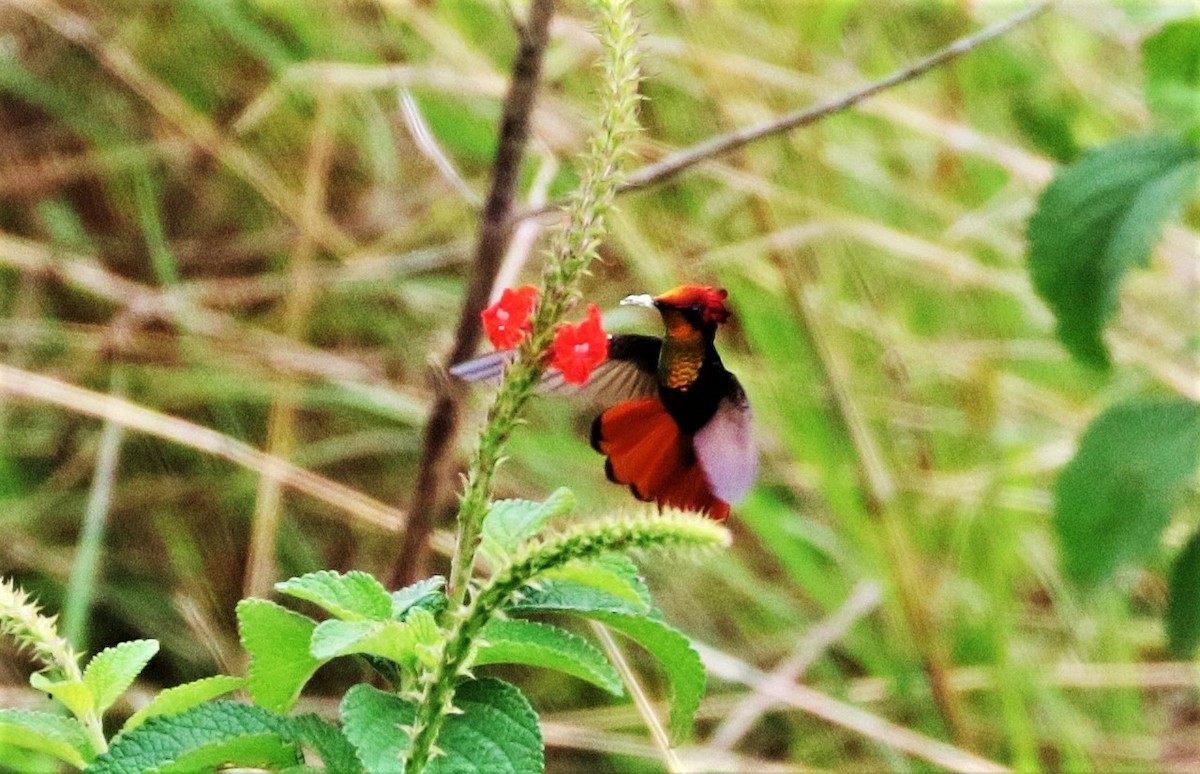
x: 193, y: 125
x: 812, y: 645
x: 644, y: 706
x: 361, y: 509
x: 87, y: 274
x: 872, y: 726
x: 281, y: 435
x: 713, y: 147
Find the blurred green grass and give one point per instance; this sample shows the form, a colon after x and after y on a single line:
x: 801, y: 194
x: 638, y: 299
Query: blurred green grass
x: 911, y: 401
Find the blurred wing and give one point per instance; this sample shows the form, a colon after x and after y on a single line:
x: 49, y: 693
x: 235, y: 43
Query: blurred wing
x: 628, y: 373
x: 725, y: 447
x: 485, y: 369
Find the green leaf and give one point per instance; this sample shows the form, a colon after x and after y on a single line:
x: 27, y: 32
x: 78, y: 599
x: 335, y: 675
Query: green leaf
x: 376, y: 723
x: 181, y: 698
x: 355, y: 596
x: 343, y: 638
x: 203, y: 738
x: 571, y: 596
x: 425, y: 593
x: 328, y: 741
x: 496, y: 733
x: 1096, y: 219
x: 509, y: 523
x: 269, y: 752
x: 1183, y: 601
x: 73, y: 694
x: 394, y: 640
x: 680, y: 662
x: 277, y: 640
x: 1114, y: 498
x: 615, y: 574
x: 111, y: 671
x: 684, y: 671
x: 64, y: 738
x: 541, y: 645
x: 428, y: 635
x: 1171, y: 58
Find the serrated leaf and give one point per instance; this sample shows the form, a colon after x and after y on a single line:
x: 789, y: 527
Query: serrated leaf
x: 1115, y: 496
x: 268, y: 752
x: 427, y: 634
x: 73, y: 694
x: 392, y: 640
x: 372, y: 721
x: 221, y: 732
x: 181, y: 698
x: 571, y: 596
x: 355, y: 596
x: 1098, y: 217
x: 615, y: 574
x: 1183, y: 600
x: 277, y: 640
x: 681, y: 664
x: 425, y: 593
x: 111, y: 671
x: 496, y: 733
x: 1171, y: 58
x: 509, y: 523
x: 535, y: 644
x: 63, y: 738
x: 328, y: 741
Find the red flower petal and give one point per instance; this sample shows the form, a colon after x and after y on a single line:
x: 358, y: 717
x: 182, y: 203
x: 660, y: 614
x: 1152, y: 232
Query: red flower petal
x: 507, y: 321
x: 578, y: 349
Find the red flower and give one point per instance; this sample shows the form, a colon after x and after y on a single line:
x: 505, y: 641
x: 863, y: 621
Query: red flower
x: 580, y: 348
x: 507, y: 321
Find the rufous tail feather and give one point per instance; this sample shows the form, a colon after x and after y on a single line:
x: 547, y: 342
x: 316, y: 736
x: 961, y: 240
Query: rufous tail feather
x: 647, y: 452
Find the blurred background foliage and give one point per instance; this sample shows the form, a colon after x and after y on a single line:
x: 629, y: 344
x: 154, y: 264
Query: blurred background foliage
x: 258, y: 217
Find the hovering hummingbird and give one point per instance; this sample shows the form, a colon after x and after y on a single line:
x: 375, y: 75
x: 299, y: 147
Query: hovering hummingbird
x: 677, y: 430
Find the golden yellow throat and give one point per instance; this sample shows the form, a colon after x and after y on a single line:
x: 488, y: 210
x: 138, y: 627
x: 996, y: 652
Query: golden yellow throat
x: 682, y: 352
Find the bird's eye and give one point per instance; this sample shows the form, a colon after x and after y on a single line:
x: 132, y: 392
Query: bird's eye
x: 695, y: 307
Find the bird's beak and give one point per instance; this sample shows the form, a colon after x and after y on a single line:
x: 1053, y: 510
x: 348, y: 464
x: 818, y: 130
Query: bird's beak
x: 642, y: 300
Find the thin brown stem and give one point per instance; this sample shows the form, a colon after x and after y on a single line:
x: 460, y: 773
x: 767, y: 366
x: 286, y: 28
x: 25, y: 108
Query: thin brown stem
x: 495, y: 233
x: 722, y: 144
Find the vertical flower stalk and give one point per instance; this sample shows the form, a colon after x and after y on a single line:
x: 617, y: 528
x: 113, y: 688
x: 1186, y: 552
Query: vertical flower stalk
x: 672, y: 530
x: 23, y: 621
x: 572, y: 250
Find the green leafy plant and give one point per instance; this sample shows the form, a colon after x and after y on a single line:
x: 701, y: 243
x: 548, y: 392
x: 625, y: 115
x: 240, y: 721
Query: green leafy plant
x: 425, y: 642
x: 1103, y: 214
x: 1098, y: 218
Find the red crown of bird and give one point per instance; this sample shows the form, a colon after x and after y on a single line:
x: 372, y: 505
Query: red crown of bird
x: 708, y: 300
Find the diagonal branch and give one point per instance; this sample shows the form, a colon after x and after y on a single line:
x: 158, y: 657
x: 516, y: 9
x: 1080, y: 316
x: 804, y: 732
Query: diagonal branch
x: 495, y: 233
x: 669, y: 167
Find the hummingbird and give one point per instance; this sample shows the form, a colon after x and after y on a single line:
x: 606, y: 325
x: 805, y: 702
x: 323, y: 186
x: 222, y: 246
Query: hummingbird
x: 677, y: 424
x: 683, y: 437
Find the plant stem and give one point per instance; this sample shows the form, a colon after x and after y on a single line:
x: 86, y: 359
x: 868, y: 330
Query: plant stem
x: 573, y: 249
x: 719, y: 145
x: 585, y: 541
x: 495, y: 233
